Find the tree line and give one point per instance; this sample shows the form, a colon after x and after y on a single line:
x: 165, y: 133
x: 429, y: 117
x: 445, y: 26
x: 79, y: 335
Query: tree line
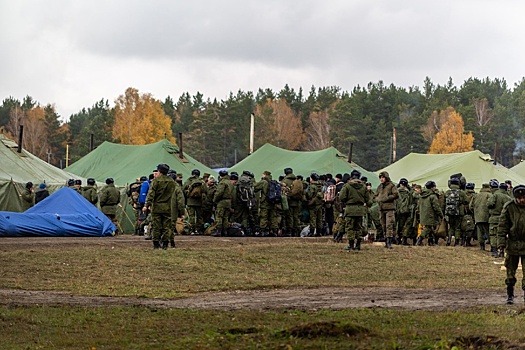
x: 382, y: 123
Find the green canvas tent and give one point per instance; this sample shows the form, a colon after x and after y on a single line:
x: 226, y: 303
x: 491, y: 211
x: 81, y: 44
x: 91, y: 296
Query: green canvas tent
x: 519, y: 168
x: 125, y: 163
x: 275, y: 159
x: 19, y: 168
x: 477, y: 167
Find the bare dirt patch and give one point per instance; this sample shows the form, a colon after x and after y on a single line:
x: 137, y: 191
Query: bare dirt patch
x: 307, y: 299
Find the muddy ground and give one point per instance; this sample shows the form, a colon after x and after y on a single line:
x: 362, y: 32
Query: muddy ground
x: 304, y: 299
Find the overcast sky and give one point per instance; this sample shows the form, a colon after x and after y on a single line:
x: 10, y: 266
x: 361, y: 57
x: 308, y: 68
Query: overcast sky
x: 74, y: 53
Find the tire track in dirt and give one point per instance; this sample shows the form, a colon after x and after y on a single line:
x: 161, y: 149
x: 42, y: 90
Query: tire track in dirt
x: 305, y: 299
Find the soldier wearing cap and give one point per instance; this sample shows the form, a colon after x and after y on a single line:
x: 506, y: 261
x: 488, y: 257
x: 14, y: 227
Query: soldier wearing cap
x: 430, y: 213
x: 223, y: 202
x: 478, y: 205
x: 386, y: 195
x: 109, y: 199
x: 268, y: 217
x: 194, y: 190
x: 511, y: 237
x: 495, y: 205
x: 355, y: 198
x: 28, y: 196
x: 90, y: 191
x: 403, y: 210
x: 158, y: 201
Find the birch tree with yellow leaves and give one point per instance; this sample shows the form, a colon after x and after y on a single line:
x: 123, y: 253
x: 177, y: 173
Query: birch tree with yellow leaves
x: 451, y: 137
x: 140, y: 119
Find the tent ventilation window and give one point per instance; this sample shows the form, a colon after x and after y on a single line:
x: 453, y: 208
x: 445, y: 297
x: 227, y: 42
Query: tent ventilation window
x: 13, y: 146
x: 171, y: 149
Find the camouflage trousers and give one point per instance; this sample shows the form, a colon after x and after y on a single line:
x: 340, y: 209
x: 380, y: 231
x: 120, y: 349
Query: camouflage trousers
x: 162, y: 227
x: 353, y: 227
x: 511, y: 264
x: 388, y: 222
x: 195, y: 218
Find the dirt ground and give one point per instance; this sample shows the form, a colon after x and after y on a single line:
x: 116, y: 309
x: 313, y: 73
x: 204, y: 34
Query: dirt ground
x: 304, y: 299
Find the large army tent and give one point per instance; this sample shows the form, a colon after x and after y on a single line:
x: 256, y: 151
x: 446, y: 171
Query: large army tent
x: 275, y: 159
x: 519, y: 168
x: 477, y: 167
x: 19, y: 168
x: 125, y: 163
x: 63, y: 213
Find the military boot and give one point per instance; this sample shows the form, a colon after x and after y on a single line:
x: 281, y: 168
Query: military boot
x: 482, y: 245
x: 388, y: 243
x: 350, y: 245
x: 449, y: 240
x: 156, y: 244
x: 510, y: 295
x: 358, y: 244
x: 172, y: 243
x: 164, y: 245
x: 404, y: 241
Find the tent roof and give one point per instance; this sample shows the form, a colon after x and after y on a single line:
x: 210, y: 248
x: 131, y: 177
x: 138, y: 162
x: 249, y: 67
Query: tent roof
x: 24, y: 167
x: 519, y: 168
x: 477, y: 167
x: 124, y: 163
x: 275, y: 159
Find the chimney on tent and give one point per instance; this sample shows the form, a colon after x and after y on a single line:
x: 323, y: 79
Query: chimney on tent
x: 20, y: 138
x: 181, y: 154
x: 91, y: 143
x: 350, y: 152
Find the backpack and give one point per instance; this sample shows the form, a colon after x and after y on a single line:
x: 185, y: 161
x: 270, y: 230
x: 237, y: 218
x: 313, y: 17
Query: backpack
x: 274, y: 192
x: 296, y: 190
x: 452, y: 200
x: 246, y: 191
x: 329, y: 194
x: 195, y: 189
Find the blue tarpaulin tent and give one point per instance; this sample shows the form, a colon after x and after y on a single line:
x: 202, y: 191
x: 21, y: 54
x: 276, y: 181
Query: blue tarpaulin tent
x: 64, y: 213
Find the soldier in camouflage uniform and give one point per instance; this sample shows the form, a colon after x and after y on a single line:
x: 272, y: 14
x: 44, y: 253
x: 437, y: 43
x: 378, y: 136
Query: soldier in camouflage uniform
x: 386, y: 195
x: 403, y: 206
x: 158, y: 201
x: 28, y: 196
x: 268, y: 218
x: 430, y: 213
x: 495, y: 205
x: 511, y: 237
x: 90, y: 191
x: 109, y: 199
x: 177, y: 206
x: 314, y: 200
x: 194, y: 200
x: 355, y: 198
x: 478, y: 206
x: 223, y: 203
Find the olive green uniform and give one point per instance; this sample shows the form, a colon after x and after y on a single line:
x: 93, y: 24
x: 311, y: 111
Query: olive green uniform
x: 511, y: 237
x: 109, y: 199
x: 314, y: 198
x: 268, y: 216
x: 159, y: 200
x: 430, y: 214
x: 223, y: 203
x: 90, y: 193
x: 194, y: 204
x: 28, y: 199
x: 495, y: 205
x: 355, y: 198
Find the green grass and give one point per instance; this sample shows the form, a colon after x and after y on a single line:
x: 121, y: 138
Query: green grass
x: 144, y: 328
x: 123, y: 267
x: 136, y: 270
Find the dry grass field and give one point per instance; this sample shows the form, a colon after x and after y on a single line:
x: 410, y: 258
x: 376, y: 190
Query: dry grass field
x: 238, y: 293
